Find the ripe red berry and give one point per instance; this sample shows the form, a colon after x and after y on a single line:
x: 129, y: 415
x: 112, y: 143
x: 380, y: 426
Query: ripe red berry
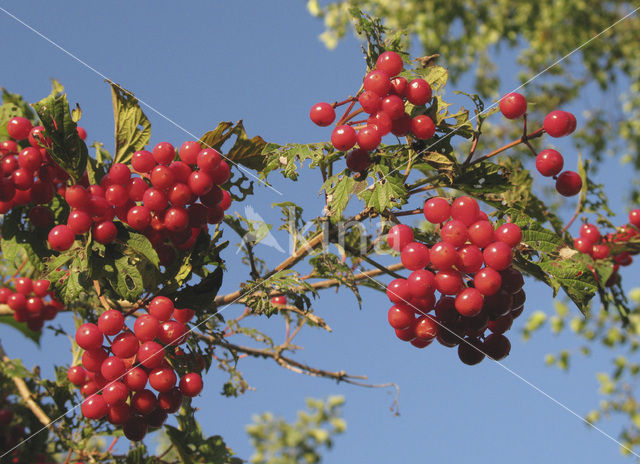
x: 634, y: 217
x: 111, y: 322
x: 142, y: 161
x: 322, y: 114
x: 184, y: 315
x: 135, y: 428
x: 465, y: 209
x: 469, y: 302
x: 370, y: 102
x: 549, y: 162
x: 513, y: 105
x: 590, y: 232
x: 600, y: 251
x: 470, y: 259
x: 508, y: 233
x: 443, y: 255
x: 162, y: 177
x: 30, y: 159
x: 89, y: 337
x: 454, y: 232
x: 393, y: 105
x: 161, y: 308
x: 559, y: 123
x: 189, y: 152
x: 146, y: 327
x: 209, y: 160
x: 164, y: 153
x: 112, y: 368
x: 401, y: 316
x: 343, y: 137
x: 398, y: 291
x: 135, y: 379
x: 422, y: 127
x: 82, y: 133
x: 421, y: 283
x: 390, y: 63
x: 170, y: 401
x: 18, y: 128
x: 496, y: 346
x: 488, y: 281
x: 470, y: 351
x: 24, y: 285
x: 173, y: 333
x: 426, y: 327
x: 501, y: 324
x: 92, y: 360
x: 448, y: 281
x: 377, y: 81
x: 415, y: 256
x: 569, y: 183
x: 358, y: 160
x: 77, y: 375
x: 61, y: 238
x: 381, y: 121
x: 162, y: 379
x: 94, y: 407
x: 437, y: 210
x: 151, y: 354
x: 115, y: 392
x: 176, y: 219
x: 399, y: 86
x: 41, y: 287
x: 79, y: 222
x: 144, y: 402
x: 119, y: 174
x: 139, y: 217
x: 368, y: 137
x: 22, y: 179
x: 399, y: 236
x: 498, y: 256
x: 125, y: 345
x: 116, y: 195
x: 402, y: 126
x: 191, y: 384
x: 104, y: 232
x: 418, y: 92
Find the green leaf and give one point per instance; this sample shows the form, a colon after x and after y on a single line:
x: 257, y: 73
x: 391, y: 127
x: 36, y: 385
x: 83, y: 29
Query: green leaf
x: 436, y: 76
x: 140, y: 246
x: 133, y: 129
x: 576, y: 280
x: 387, y: 189
x: 200, y: 296
x: 68, y: 149
x: 533, y: 234
x: 287, y: 158
x: 245, y: 151
x: 12, y: 105
x: 179, y: 438
x: 22, y: 328
x: 339, y: 189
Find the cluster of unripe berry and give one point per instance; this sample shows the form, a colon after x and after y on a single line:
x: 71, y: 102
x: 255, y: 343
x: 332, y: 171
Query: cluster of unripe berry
x: 114, y: 378
x: 549, y: 162
x: 591, y: 242
x: 32, y: 302
x: 29, y: 175
x: 161, y: 201
x: 471, y: 269
x: 383, y: 97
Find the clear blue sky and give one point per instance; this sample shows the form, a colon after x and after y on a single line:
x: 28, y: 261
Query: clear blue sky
x: 203, y: 62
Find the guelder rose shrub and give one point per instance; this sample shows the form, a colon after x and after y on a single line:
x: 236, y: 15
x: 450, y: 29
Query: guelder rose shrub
x: 132, y: 242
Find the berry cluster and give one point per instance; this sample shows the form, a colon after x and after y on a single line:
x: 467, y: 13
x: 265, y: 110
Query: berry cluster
x: 471, y: 269
x: 31, y: 302
x: 29, y: 174
x: 549, y: 162
x: 113, y: 379
x: 384, y: 98
x: 160, y: 202
x: 599, y: 247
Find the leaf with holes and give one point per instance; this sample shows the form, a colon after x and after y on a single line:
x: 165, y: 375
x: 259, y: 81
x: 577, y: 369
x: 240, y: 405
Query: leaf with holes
x: 245, y: 151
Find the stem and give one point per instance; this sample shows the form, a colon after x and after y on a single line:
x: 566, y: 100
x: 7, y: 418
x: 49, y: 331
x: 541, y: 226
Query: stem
x: 348, y: 117
x: 409, y: 213
x: 426, y: 188
x: 20, y: 268
x: 254, y: 271
x: 522, y: 139
x: 343, y: 102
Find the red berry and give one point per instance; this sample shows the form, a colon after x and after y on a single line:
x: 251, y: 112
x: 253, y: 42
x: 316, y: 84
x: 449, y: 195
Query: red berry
x: 469, y: 302
x: 454, y: 232
x: 390, y: 63
x: 221, y: 174
x: 119, y: 413
x: 377, y: 81
x: 111, y: 322
x: 415, y: 256
x: 189, y: 152
x: 508, y: 233
x: 135, y: 379
x: 488, y: 281
x: 501, y: 324
x: 443, y: 255
x: 170, y: 401
x: 22, y: 179
x: 18, y: 128
x: 112, y: 368
x: 381, y: 121
x: 407, y: 334
x: 470, y: 351
x: 634, y: 217
x: 496, y: 346
x: 481, y: 233
x: 144, y: 401
x: 322, y: 114
x: 393, y: 105
x: 164, y: 153
x: 398, y: 86
x: 399, y: 236
x: 92, y: 360
x: 94, y: 407
x: 437, y: 210
x: 89, y: 337
x: 104, y: 232
x: 173, y: 333
x: 368, y: 137
x: 465, y: 209
x: 401, y: 316
x: 448, y: 281
x: 146, y: 328
x: 209, y: 160
x: 568, y: 183
x: 398, y: 291
x: 77, y: 375
x: 549, y: 162
x: 142, y: 161
x: 402, y: 126
x: 421, y: 283
x: 162, y: 177
x: 426, y: 328
x: 498, y: 256
x: 135, y: 428
x: 559, y: 123
x: 30, y: 159
x: 600, y: 251
x: 176, y: 219
x: 119, y: 174
x: 162, y: 379
x: 41, y: 287
x: 370, y: 102
x: 116, y: 195
x: 151, y: 354
x: 590, y: 232
x: 191, y: 384
x: 139, y: 217
x: 82, y: 133
x: 79, y: 222
x: 184, y: 315
x: 358, y: 160
x: 418, y: 92
x: 24, y: 285
x: 513, y: 105
x: 125, y: 345
x: 422, y: 127
x: 76, y: 196
x: 470, y: 259
x: 161, y: 308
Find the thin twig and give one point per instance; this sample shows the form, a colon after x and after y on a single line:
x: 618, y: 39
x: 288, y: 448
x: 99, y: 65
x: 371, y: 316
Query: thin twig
x: 522, y: 139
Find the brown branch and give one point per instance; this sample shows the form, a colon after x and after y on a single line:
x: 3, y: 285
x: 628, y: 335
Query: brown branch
x: 103, y: 300
x: 317, y: 320
x: 20, y: 268
x: 26, y: 395
x: 409, y: 213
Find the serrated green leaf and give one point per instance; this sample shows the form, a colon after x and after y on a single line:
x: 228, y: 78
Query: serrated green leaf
x: 287, y: 158
x: 339, y: 189
x: 179, y: 438
x: 68, y: 149
x: 576, y: 280
x: 22, y: 328
x: 533, y: 234
x: 436, y: 76
x: 140, y: 245
x: 200, y: 296
x: 133, y: 129
x: 127, y: 281
x: 245, y: 151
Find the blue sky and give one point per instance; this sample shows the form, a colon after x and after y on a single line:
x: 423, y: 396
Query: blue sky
x: 204, y: 62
